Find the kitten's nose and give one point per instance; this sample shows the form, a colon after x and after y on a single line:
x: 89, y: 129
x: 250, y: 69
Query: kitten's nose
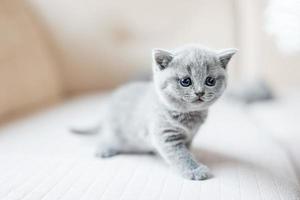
x: 199, y: 94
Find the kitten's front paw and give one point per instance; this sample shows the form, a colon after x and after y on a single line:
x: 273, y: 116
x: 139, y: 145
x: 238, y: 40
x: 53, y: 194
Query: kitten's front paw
x: 105, y: 153
x: 200, y: 173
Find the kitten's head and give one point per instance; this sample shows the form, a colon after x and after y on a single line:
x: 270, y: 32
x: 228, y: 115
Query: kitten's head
x: 190, y: 78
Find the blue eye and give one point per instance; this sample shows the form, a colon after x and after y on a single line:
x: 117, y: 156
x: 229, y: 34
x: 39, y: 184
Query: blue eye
x: 186, y: 82
x: 210, y: 81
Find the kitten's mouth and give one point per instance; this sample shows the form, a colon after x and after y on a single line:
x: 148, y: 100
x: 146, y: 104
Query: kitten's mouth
x: 199, y: 100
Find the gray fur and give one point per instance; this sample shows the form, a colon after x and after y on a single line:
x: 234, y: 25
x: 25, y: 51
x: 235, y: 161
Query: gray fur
x: 161, y: 115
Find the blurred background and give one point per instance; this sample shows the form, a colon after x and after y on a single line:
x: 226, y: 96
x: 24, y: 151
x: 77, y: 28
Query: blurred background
x: 59, y: 48
x: 53, y: 50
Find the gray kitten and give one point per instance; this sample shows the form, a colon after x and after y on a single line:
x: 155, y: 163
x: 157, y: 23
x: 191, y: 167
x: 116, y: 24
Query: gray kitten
x: 164, y: 115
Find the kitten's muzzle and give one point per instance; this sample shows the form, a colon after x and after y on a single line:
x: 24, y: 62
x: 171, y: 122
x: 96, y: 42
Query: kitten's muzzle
x: 199, y: 94
x: 198, y: 99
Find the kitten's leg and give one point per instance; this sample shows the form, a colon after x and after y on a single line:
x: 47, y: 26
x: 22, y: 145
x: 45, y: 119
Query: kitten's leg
x: 108, y: 145
x: 113, y: 145
x: 106, y: 151
x: 173, y: 149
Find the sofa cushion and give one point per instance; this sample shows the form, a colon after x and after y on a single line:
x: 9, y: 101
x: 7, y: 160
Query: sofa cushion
x: 103, y: 43
x: 40, y: 159
x: 27, y: 71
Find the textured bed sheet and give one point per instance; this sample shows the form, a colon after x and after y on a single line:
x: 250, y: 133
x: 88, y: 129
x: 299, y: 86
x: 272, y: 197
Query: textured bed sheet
x: 40, y: 159
x: 280, y: 119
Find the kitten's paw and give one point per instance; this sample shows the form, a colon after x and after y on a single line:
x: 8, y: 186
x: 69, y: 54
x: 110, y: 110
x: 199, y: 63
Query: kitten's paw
x: 106, y: 153
x: 200, y: 173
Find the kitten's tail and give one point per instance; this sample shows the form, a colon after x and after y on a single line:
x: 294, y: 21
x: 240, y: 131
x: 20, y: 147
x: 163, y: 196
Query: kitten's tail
x: 87, y: 131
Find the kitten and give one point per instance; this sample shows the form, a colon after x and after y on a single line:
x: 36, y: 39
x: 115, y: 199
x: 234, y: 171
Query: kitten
x: 164, y: 115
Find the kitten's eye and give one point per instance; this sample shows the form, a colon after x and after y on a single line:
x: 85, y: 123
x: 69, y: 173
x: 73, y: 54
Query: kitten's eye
x: 210, y: 81
x: 186, y: 82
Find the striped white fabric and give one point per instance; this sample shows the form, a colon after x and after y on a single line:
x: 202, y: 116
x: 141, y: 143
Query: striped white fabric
x: 39, y: 159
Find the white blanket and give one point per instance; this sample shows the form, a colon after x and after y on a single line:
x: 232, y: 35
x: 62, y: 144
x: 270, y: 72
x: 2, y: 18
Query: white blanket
x: 40, y: 159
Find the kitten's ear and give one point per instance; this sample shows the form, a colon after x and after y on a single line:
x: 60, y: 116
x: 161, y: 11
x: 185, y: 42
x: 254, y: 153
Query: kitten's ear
x: 162, y: 58
x: 225, y: 56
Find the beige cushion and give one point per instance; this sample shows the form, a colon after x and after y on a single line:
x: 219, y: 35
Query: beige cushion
x: 103, y: 43
x: 27, y: 72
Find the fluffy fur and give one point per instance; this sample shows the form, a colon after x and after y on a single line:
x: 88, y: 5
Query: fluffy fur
x: 162, y: 116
